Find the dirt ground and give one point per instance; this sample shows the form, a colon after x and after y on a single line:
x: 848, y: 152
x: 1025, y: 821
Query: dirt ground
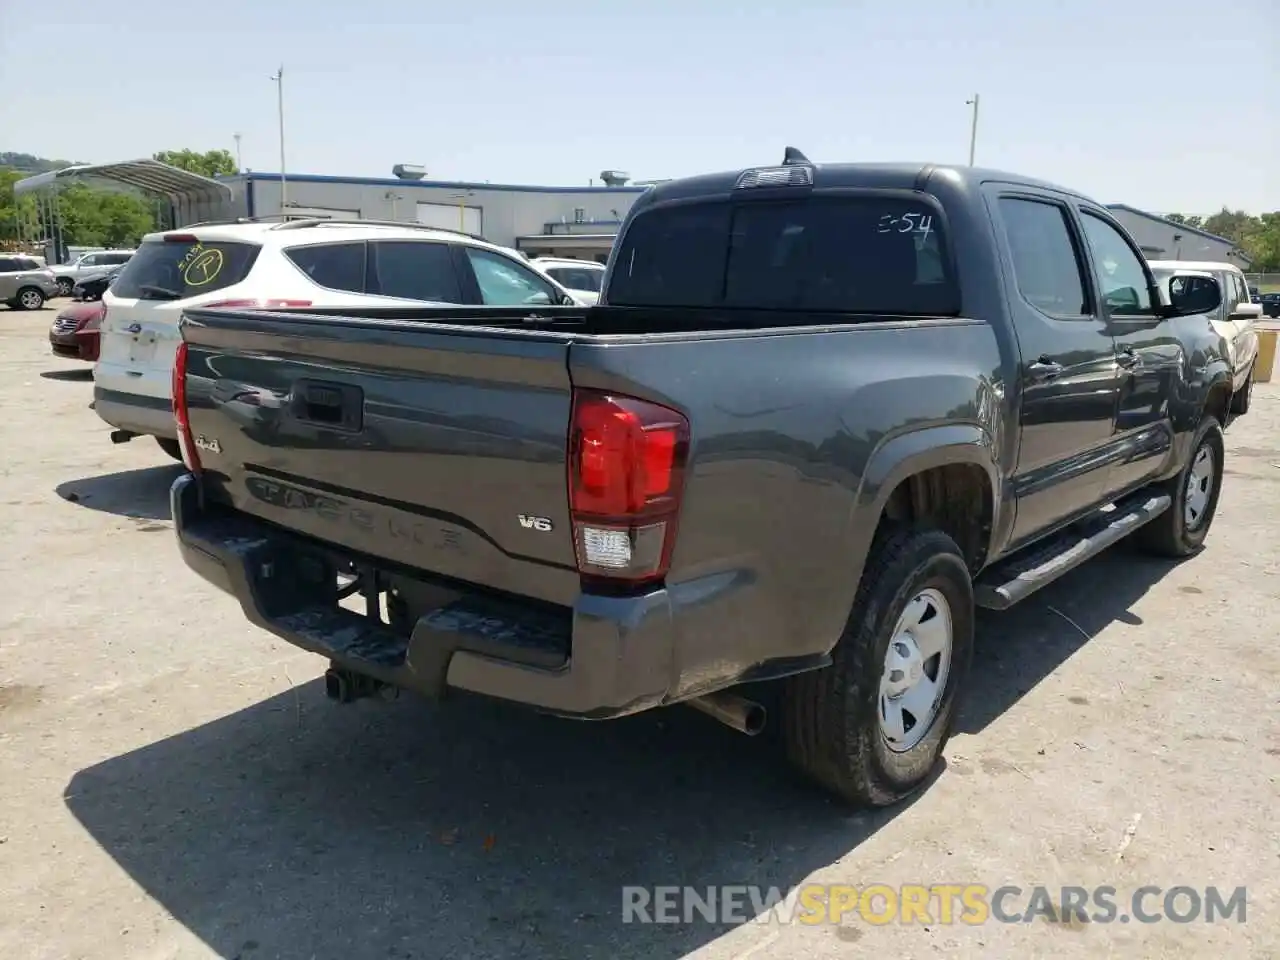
x: 174, y: 784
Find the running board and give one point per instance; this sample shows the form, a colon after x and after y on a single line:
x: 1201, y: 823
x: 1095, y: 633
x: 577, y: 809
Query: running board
x: 1017, y: 577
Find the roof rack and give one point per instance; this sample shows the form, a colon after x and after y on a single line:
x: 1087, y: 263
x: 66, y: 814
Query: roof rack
x: 359, y: 222
x: 232, y: 221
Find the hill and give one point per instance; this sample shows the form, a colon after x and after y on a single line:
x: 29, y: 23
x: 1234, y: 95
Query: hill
x: 27, y: 163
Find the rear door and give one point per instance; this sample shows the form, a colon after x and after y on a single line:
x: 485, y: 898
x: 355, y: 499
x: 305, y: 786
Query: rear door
x: 8, y: 278
x: 1148, y: 357
x: 1067, y: 376
x: 165, y: 276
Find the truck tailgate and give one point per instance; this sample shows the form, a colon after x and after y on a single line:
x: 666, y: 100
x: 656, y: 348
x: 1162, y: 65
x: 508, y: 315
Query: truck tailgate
x: 441, y: 449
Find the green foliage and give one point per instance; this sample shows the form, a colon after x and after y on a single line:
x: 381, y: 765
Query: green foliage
x: 1259, y: 237
x: 212, y: 163
x: 90, y: 217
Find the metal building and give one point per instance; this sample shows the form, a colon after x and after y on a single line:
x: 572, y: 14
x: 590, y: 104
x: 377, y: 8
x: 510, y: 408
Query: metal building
x: 579, y: 222
x: 1162, y: 239
x: 540, y: 221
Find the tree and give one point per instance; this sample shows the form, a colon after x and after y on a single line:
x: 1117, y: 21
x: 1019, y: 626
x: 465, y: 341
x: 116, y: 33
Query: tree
x: 1193, y: 221
x: 212, y: 163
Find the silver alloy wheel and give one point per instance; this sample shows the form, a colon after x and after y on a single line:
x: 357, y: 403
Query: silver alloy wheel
x: 65, y: 287
x: 31, y: 299
x: 916, y: 666
x: 1200, y: 479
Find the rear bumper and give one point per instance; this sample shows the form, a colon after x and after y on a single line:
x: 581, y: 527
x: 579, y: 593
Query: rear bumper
x: 606, y: 657
x: 147, y: 416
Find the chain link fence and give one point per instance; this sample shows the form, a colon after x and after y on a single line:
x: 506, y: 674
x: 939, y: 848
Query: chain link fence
x: 1265, y: 282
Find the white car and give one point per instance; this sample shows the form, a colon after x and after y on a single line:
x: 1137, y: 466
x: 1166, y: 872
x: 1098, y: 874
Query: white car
x: 1235, y: 320
x: 266, y: 265
x: 582, y: 278
x: 88, y: 265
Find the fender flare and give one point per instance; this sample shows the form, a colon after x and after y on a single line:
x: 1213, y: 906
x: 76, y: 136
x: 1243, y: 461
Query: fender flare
x: 906, y: 454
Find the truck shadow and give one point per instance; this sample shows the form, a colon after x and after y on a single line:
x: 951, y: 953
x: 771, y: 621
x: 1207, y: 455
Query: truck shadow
x: 1015, y: 649
x: 78, y: 375
x: 141, y: 494
x: 297, y: 828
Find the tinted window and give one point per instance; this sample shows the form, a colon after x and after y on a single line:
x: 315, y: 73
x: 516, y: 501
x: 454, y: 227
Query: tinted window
x: 27, y: 264
x: 1190, y: 293
x: 7, y: 265
x: 114, y: 258
x: 414, y: 271
x: 1045, y: 265
x: 177, y: 269
x: 1120, y: 272
x: 504, y: 283
x: 577, y: 278
x: 338, y: 266
x: 863, y: 255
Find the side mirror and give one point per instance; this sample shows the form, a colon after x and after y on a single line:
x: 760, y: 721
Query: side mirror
x: 1191, y: 293
x: 567, y: 301
x: 1247, y: 311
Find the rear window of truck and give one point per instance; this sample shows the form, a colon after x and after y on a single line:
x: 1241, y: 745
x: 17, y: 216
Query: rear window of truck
x: 178, y: 269
x: 848, y: 255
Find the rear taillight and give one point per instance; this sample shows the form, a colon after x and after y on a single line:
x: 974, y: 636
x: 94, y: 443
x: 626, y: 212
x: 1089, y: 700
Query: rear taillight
x: 268, y: 303
x: 180, y: 414
x: 626, y: 480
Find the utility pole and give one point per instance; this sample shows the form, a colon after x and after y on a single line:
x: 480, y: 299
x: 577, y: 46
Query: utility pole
x: 284, y: 184
x: 973, y: 131
x: 239, y: 165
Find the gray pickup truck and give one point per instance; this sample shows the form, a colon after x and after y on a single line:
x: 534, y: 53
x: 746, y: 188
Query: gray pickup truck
x: 821, y: 414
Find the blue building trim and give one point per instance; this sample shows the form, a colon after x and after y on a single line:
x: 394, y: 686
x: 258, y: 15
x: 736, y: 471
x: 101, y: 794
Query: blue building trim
x: 438, y: 184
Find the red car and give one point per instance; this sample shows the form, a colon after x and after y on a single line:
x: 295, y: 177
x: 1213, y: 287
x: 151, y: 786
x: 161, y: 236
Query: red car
x: 76, y: 329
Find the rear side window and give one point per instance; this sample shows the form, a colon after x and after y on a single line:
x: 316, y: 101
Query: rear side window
x: 25, y: 264
x: 577, y: 278
x: 337, y: 266
x: 8, y: 266
x: 847, y: 255
x: 178, y: 269
x: 414, y: 270
x: 111, y: 259
x: 1046, y: 266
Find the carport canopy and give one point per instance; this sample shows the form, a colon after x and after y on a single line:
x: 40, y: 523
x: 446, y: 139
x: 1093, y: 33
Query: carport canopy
x: 152, y: 176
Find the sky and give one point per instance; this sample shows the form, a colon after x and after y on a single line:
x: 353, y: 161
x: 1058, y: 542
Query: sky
x: 1168, y: 105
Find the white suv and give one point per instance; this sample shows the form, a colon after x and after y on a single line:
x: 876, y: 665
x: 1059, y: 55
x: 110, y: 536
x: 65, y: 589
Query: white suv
x: 582, y: 278
x: 296, y: 263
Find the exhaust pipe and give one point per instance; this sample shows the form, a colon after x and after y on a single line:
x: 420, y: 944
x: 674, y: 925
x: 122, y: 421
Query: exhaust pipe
x: 122, y: 436
x: 346, y: 686
x: 745, y: 716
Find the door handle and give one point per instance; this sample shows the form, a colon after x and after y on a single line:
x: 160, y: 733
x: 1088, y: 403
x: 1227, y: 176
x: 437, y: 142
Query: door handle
x: 1045, y: 369
x: 1128, y: 359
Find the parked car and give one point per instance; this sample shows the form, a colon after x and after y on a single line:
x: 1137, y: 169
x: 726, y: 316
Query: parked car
x: 581, y: 278
x: 823, y: 412
x: 74, y: 333
x: 298, y: 263
x: 89, y: 264
x: 1270, y: 303
x: 24, y: 283
x: 1234, y: 318
x: 92, y: 288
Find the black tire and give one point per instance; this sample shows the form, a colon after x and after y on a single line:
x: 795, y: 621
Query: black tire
x: 28, y: 298
x: 65, y: 286
x: 1170, y: 534
x: 1242, y: 398
x: 831, y: 717
x: 171, y: 447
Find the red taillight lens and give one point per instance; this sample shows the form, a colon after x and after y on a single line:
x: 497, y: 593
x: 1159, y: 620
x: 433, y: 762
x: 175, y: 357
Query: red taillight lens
x: 257, y: 304
x: 180, y: 413
x: 626, y: 479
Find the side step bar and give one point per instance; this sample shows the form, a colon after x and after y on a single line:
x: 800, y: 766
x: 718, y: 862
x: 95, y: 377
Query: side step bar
x: 1017, y: 577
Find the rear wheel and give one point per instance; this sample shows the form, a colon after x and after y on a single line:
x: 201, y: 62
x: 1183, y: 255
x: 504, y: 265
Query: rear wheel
x: 29, y: 298
x: 1180, y: 530
x: 171, y: 447
x: 65, y: 286
x: 872, y: 726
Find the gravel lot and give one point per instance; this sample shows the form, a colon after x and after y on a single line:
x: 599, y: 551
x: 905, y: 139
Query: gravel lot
x: 174, y: 784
